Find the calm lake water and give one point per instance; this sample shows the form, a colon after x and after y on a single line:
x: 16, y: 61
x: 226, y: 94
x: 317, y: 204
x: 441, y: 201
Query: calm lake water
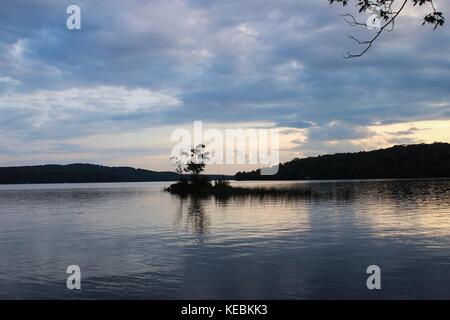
x: 131, y: 240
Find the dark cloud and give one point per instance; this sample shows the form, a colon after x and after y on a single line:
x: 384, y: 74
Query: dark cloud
x: 408, y: 132
x: 337, y: 130
x: 225, y: 61
x: 403, y: 140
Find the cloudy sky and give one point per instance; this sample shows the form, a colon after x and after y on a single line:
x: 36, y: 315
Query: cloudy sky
x: 113, y: 92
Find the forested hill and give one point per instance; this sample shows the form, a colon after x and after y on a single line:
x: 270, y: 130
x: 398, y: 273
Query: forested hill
x: 74, y: 173
x: 405, y: 161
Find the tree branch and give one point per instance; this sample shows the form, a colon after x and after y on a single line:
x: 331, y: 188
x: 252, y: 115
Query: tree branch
x: 369, y: 43
x: 384, y: 11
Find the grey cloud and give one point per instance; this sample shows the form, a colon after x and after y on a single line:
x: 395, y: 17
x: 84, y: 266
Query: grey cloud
x: 410, y: 131
x: 403, y: 140
x: 227, y: 61
x: 337, y: 130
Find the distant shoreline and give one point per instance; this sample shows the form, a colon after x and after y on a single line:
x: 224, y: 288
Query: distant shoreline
x: 420, y: 161
x: 84, y: 173
x: 398, y: 162
x: 231, y: 180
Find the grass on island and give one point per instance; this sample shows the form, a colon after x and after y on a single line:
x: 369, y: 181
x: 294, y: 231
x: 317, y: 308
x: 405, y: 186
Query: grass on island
x: 223, y: 189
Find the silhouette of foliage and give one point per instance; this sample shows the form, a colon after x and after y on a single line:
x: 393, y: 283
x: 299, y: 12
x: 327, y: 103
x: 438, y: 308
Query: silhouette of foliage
x: 411, y: 161
x: 80, y: 173
x: 387, y: 12
x: 193, y: 162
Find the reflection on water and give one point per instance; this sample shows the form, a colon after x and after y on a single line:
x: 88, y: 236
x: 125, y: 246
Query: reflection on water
x: 135, y: 241
x: 192, y: 216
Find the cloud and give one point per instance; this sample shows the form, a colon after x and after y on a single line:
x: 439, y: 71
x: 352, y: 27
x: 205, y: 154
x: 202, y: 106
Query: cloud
x: 9, y: 80
x: 403, y: 140
x: 407, y: 132
x: 338, y: 130
x: 155, y: 63
x: 79, y: 111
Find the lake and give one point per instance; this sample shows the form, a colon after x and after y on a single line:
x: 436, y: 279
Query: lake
x: 132, y: 240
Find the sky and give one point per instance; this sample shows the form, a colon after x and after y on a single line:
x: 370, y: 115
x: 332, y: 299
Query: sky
x: 113, y: 92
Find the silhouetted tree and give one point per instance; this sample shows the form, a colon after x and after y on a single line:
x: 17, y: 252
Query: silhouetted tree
x: 385, y: 12
x: 192, y: 163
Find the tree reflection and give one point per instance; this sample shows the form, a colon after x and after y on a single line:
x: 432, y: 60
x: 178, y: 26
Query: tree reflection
x: 192, y: 217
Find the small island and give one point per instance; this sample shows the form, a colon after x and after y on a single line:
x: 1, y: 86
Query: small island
x: 193, y: 183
